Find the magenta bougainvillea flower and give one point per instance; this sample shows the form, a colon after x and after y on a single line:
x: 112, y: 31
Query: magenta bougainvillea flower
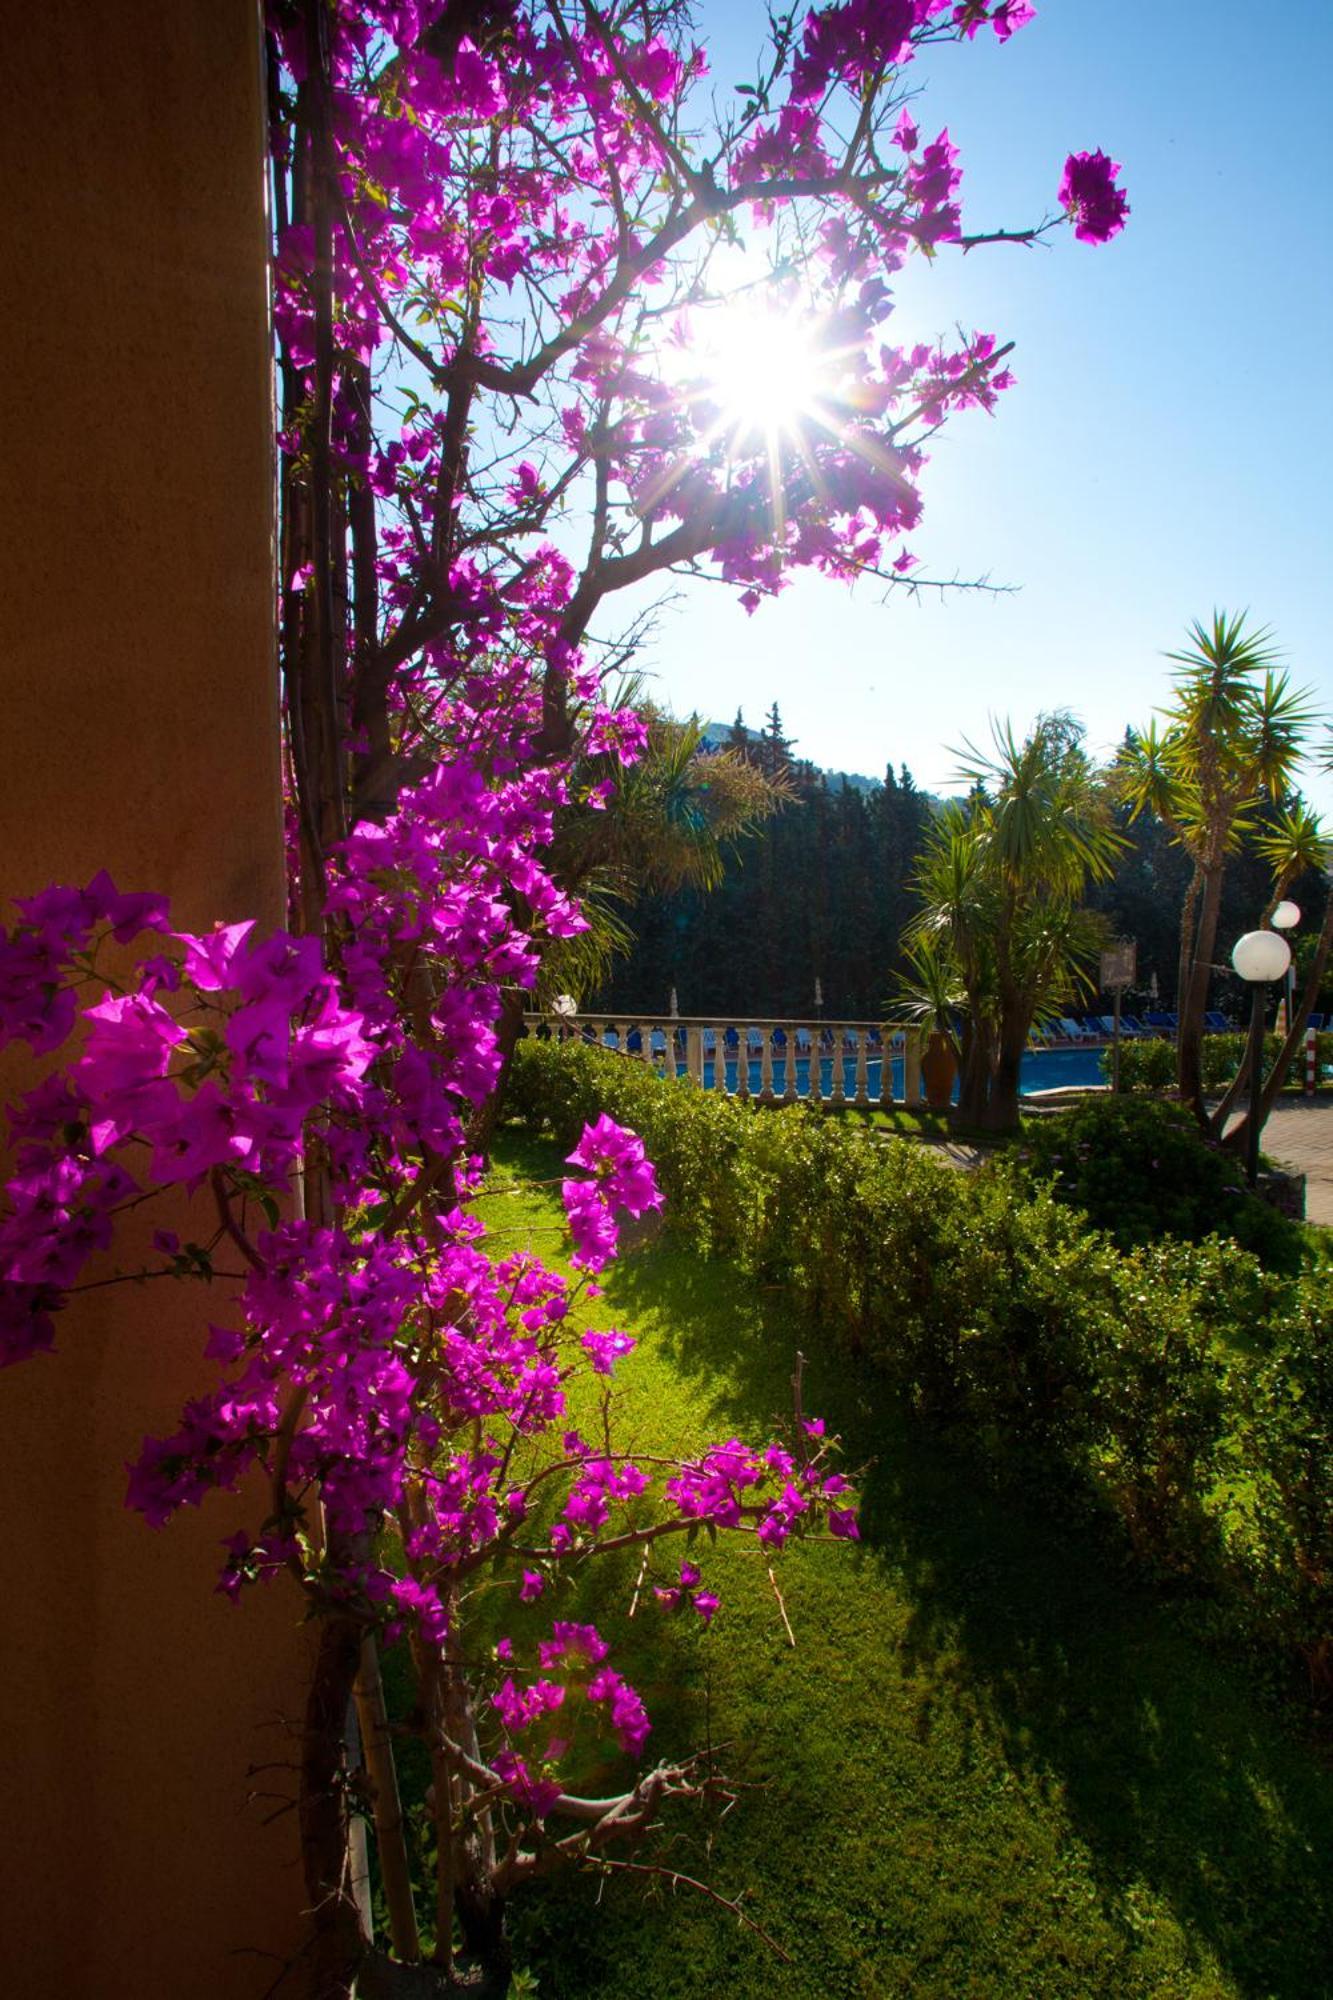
x: 1089, y: 195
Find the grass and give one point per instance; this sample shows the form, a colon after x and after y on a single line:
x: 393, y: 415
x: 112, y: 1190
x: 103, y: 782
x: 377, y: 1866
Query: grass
x: 993, y: 1765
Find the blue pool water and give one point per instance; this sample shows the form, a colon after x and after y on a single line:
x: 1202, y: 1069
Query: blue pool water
x: 1043, y: 1069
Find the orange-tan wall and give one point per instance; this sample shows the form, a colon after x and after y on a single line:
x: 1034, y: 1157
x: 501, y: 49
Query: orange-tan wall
x: 140, y: 733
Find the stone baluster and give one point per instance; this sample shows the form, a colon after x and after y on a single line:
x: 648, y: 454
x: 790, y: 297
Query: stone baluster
x: 862, y: 1075
x: 694, y: 1053
x: 765, y: 1064
x: 789, y: 1066
x: 885, y: 1065
x: 912, y: 1092
x: 743, y: 1062
x: 839, y: 1094
x: 817, y: 1063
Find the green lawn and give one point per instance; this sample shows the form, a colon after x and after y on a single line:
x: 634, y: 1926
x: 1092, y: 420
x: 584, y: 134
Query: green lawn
x: 993, y: 1764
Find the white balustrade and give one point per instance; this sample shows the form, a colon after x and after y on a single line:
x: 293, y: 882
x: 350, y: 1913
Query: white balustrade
x: 701, y: 1048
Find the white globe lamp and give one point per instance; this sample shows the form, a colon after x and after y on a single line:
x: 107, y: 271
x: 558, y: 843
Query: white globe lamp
x: 1261, y: 956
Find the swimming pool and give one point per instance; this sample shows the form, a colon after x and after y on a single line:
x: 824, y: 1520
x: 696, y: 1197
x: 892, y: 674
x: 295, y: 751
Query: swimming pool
x: 1043, y: 1069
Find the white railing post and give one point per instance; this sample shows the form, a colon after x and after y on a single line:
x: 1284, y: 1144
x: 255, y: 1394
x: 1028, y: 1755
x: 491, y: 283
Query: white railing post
x: 886, y: 1034
x: 789, y: 1066
x: 839, y: 1094
x: 743, y: 1063
x: 765, y: 1065
x: 912, y: 1090
x: 862, y: 1069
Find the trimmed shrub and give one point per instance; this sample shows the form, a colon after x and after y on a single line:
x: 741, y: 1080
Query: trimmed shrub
x: 1141, y: 1170
x: 1149, y: 1063
x: 1280, y: 1522
x: 1152, y: 1364
x: 1145, y: 1064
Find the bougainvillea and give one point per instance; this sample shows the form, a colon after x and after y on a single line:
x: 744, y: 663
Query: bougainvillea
x: 503, y: 232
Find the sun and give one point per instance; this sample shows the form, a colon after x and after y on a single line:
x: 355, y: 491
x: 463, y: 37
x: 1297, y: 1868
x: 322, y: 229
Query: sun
x: 766, y: 382
x: 764, y: 370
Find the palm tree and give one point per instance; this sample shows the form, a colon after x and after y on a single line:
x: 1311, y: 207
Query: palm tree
x: 1003, y: 877
x: 956, y: 927
x: 1230, y: 740
x: 667, y: 825
x: 666, y: 822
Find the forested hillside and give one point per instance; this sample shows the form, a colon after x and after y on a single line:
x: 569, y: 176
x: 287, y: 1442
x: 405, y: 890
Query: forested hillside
x: 824, y: 890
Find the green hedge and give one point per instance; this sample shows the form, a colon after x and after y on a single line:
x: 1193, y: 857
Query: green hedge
x: 1138, y: 1168
x: 1179, y: 1382
x: 1149, y: 1063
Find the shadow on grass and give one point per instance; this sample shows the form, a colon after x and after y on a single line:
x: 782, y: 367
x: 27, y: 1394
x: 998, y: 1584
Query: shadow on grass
x: 1023, y: 1629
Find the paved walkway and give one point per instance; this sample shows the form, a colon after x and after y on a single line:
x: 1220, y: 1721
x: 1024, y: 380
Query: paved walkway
x: 1300, y: 1135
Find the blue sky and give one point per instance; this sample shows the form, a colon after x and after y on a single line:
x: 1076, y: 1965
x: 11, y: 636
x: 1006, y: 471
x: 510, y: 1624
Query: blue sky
x: 1167, y: 445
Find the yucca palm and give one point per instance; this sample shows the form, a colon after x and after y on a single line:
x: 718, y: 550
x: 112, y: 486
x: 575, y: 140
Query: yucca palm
x: 1229, y: 743
x: 957, y: 924
x: 1002, y: 878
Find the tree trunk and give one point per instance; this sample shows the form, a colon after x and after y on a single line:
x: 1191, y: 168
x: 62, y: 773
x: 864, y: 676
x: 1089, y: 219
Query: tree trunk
x: 508, y: 1034
x: 336, y: 1945
x: 1192, y: 1002
x: 974, y: 1075
x: 1290, y: 1049
x: 1185, y: 960
x: 1002, y: 1113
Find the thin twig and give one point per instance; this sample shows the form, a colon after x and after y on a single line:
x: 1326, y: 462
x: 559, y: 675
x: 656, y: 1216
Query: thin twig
x: 678, y: 1880
x: 229, y: 1222
x: 643, y: 1571
x: 791, y: 1636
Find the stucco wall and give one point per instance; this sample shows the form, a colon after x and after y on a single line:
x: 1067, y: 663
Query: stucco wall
x: 140, y: 734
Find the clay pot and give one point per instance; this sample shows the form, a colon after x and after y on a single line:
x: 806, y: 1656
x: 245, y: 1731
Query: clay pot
x: 939, y: 1067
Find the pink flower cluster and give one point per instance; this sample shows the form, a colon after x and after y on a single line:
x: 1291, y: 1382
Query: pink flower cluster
x: 1090, y: 197
x: 623, y: 1177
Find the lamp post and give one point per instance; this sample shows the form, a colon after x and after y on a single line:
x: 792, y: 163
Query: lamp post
x: 1259, y: 958
x: 1285, y: 918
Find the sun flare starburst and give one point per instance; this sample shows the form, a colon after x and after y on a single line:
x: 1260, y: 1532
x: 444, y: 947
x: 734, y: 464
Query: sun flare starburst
x: 765, y: 370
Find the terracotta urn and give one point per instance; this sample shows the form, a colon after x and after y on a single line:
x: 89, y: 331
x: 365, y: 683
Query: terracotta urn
x: 939, y: 1067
